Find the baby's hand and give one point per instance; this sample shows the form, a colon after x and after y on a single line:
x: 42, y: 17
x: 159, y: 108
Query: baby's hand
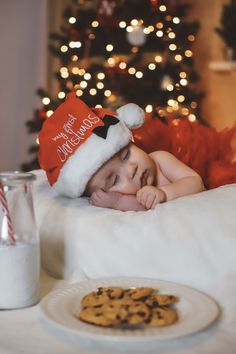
x: 150, y: 196
x: 105, y: 199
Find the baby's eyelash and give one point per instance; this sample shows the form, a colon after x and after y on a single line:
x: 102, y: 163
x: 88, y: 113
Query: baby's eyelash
x: 116, y: 179
x: 125, y: 155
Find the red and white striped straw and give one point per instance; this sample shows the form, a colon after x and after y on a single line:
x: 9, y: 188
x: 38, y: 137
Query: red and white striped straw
x: 3, y: 201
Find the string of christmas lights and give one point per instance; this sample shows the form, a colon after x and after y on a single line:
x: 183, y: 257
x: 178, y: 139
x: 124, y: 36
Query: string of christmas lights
x: 137, y: 31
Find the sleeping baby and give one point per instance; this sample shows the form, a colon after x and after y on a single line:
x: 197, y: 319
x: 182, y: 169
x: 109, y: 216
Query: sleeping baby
x: 89, y: 152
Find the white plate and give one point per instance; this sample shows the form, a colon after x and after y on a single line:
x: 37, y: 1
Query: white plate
x: 196, y: 310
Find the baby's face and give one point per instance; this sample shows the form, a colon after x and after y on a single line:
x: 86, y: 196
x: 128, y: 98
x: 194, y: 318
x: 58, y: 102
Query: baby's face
x: 126, y: 172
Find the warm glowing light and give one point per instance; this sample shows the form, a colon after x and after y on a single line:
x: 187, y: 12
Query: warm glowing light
x: 112, y: 98
x: 192, y: 117
x: 91, y: 36
x: 122, y: 24
x: 122, y: 65
x: 107, y: 93
x: 152, y: 66
x: 162, y: 8
x: 95, y: 24
x: 75, y: 44
x: 74, y: 58
x: 146, y: 30
x: 170, y: 87
x: 75, y: 70
x: 61, y: 95
x: 151, y: 28
x: 64, y: 74
x: 100, y: 85
x: 181, y: 98
x: 193, y: 104
x: 171, y: 102
x: 161, y: 112
x: 191, y: 38
x: 134, y: 50
x: 176, y: 20
x: 64, y: 69
x: 111, y: 61
x: 172, y: 46
x: 93, y: 91
x: 72, y: 20
x: 185, y: 111
x: 158, y: 58
x: 148, y: 108
x: 169, y: 109
x: 129, y: 29
x: 87, y: 76
x: 171, y: 35
x: 83, y: 84
x: 183, y: 82
x: 69, y: 84
x: 139, y: 74
x: 98, y: 106
x: 76, y: 87
x: 49, y: 113
x: 64, y: 48
x: 183, y: 75
x: 109, y: 48
x: 100, y: 76
x: 159, y: 33
x: 134, y: 22
x: 79, y: 93
x: 188, y: 53
x: 81, y: 72
x: 132, y: 71
x: 159, y: 25
x: 168, y: 18
x: 46, y: 100
x: 178, y: 57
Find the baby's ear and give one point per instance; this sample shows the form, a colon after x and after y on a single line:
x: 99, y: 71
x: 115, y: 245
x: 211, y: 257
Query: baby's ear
x: 132, y: 115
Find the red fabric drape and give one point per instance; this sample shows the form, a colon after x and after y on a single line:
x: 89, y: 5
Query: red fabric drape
x: 210, y: 153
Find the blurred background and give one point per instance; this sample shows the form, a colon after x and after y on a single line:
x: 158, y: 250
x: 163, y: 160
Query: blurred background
x: 175, y: 58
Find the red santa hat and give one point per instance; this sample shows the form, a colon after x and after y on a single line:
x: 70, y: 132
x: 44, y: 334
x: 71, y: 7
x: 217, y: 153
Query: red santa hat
x: 77, y: 140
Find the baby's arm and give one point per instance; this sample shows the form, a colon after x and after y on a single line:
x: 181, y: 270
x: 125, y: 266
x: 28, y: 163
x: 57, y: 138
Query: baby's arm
x: 115, y: 200
x: 183, y: 179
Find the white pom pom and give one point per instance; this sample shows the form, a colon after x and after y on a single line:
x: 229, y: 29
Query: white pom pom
x: 132, y: 115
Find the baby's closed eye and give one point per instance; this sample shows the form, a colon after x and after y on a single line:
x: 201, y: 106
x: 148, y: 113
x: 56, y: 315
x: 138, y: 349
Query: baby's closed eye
x: 125, y: 153
x: 115, y: 180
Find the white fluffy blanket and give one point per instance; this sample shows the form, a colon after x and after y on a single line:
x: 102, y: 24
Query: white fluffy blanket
x: 191, y: 240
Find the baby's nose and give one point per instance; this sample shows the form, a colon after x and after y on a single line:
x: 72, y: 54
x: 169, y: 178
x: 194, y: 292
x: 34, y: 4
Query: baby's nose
x: 132, y: 169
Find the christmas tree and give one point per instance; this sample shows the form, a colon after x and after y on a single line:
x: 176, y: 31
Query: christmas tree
x: 119, y: 51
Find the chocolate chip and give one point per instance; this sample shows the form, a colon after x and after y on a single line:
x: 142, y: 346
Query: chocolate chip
x: 143, y: 298
x: 141, y: 313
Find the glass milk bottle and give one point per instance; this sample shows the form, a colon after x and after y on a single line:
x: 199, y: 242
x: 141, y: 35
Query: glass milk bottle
x: 19, y: 242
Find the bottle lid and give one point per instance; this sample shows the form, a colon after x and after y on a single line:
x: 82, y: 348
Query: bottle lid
x: 11, y: 177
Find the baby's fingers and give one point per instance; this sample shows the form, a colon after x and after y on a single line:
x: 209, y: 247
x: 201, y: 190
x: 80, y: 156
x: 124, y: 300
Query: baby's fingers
x: 149, y: 201
x: 140, y: 196
x: 155, y: 202
x: 97, y: 196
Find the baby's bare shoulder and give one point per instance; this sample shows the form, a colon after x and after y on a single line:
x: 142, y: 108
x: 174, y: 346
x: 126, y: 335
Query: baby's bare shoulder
x: 160, y: 155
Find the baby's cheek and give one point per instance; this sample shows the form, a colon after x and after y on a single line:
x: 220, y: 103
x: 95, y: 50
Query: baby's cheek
x: 125, y: 188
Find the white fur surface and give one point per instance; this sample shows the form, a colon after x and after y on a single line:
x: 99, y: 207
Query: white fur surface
x: 191, y: 240
x: 131, y: 114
